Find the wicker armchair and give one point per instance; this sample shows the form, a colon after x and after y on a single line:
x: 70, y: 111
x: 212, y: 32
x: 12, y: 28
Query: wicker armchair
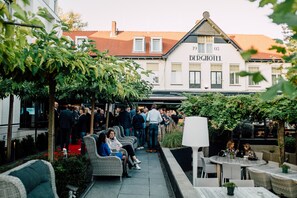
x: 261, y: 179
x: 135, y: 144
x: 125, y: 139
x: 103, y: 166
x: 15, y: 182
x: 284, y: 187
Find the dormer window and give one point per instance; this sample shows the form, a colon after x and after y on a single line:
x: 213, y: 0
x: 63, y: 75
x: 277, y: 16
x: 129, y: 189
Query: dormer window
x: 156, y: 44
x: 80, y: 39
x: 139, y: 44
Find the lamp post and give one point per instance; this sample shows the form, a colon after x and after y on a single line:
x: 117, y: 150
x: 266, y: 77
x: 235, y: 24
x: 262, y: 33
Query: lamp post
x: 195, y: 135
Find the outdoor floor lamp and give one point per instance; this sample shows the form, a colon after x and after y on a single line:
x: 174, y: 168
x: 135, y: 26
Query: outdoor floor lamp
x: 195, y: 135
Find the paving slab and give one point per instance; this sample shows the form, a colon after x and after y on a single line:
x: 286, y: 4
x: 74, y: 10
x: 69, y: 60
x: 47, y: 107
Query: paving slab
x: 149, y: 182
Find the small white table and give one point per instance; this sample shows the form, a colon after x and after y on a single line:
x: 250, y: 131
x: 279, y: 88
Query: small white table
x: 239, y: 192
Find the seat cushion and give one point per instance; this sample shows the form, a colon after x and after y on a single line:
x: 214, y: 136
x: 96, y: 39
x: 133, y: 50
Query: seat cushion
x: 33, y: 175
x: 43, y: 190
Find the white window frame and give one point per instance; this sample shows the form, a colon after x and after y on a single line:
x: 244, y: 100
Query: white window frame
x: 160, y: 44
x: 234, y: 75
x: 80, y: 37
x: 154, y: 76
x: 176, y: 76
x: 275, y: 75
x: 250, y: 78
x: 204, y: 43
x: 142, y: 47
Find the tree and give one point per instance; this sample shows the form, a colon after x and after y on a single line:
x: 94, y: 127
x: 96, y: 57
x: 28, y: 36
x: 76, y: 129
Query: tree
x: 72, y: 20
x: 281, y: 109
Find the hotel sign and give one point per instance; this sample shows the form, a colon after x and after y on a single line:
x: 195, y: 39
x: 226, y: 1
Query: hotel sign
x: 204, y: 58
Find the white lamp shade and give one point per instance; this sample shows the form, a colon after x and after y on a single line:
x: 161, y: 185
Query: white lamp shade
x: 195, y: 133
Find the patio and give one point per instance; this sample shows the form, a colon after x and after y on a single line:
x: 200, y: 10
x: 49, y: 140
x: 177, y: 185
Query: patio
x: 150, y: 181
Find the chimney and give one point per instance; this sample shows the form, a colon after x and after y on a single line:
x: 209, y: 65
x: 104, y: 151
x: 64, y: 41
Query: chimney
x: 113, y: 29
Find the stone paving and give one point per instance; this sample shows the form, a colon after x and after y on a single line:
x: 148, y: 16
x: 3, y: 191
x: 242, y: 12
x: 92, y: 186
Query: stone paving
x: 149, y: 182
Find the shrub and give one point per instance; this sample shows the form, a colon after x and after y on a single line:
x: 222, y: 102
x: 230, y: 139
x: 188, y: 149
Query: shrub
x: 75, y: 171
x: 28, y: 145
x: 42, y: 142
x: 290, y: 144
x: 173, y: 140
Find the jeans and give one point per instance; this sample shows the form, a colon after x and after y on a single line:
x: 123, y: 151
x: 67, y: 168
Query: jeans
x: 139, y: 133
x: 153, y: 128
x: 128, y: 131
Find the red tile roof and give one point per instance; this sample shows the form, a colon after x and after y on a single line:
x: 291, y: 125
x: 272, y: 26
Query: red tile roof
x: 122, y: 43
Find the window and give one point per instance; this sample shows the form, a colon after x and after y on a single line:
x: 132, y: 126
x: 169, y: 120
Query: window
x: 79, y: 40
x: 154, y: 68
x: 216, y: 76
x: 156, y: 44
x: 195, y: 75
x: 176, y: 73
x: 276, y: 74
x: 205, y: 44
x: 234, y: 75
x: 139, y: 45
x: 253, y: 70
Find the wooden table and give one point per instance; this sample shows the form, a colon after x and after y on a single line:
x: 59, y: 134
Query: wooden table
x: 241, y: 161
x: 239, y: 192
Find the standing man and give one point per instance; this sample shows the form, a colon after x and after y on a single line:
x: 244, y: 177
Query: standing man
x: 154, y: 118
x: 125, y: 121
x: 137, y: 122
x: 66, y: 121
x: 57, y: 124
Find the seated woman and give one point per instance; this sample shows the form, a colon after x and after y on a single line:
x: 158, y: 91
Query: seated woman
x: 104, y: 150
x: 230, y: 148
x: 114, y: 144
x: 248, y: 151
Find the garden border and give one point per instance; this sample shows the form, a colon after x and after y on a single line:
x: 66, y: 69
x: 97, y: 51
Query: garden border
x: 180, y: 183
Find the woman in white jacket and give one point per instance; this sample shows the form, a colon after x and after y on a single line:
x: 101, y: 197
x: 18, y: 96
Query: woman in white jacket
x: 114, y: 144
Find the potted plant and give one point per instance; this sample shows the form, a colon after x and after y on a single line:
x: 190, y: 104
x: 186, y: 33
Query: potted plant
x: 285, y: 168
x: 230, y: 187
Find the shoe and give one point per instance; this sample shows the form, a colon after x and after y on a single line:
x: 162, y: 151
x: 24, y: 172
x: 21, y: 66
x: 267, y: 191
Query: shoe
x: 154, y: 151
x: 139, y: 148
x: 137, y: 161
x: 137, y: 167
x: 149, y: 150
x: 126, y: 175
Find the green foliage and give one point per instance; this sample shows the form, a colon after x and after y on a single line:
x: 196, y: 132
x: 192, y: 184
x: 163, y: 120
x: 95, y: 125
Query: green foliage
x: 246, y: 55
x: 256, y: 76
x: 173, y: 140
x: 75, y: 171
x: 290, y: 144
x: 223, y: 112
x: 229, y: 184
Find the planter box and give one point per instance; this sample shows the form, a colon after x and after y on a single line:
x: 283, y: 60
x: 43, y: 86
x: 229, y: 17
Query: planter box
x: 183, y: 156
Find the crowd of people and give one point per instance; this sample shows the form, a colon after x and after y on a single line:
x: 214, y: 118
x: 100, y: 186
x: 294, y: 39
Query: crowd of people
x: 149, y: 126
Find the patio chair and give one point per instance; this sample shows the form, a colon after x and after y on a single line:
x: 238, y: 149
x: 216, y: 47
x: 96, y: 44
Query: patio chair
x: 135, y: 144
x: 103, y: 166
x: 283, y: 186
x: 261, y: 179
x: 231, y: 171
x: 207, y: 167
x: 207, y: 182
x: 243, y: 183
x: 259, y: 155
x: 123, y: 140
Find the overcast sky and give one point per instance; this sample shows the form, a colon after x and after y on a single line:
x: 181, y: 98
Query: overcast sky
x: 232, y: 16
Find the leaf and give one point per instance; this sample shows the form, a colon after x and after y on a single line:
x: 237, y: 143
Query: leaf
x: 246, y: 55
x: 19, y: 13
x: 258, y: 77
x: 263, y: 3
x: 279, y: 49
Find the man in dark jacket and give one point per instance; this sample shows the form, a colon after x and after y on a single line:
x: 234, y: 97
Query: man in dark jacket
x: 125, y: 121
x: 66, y: 121
x: 138, y: 128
